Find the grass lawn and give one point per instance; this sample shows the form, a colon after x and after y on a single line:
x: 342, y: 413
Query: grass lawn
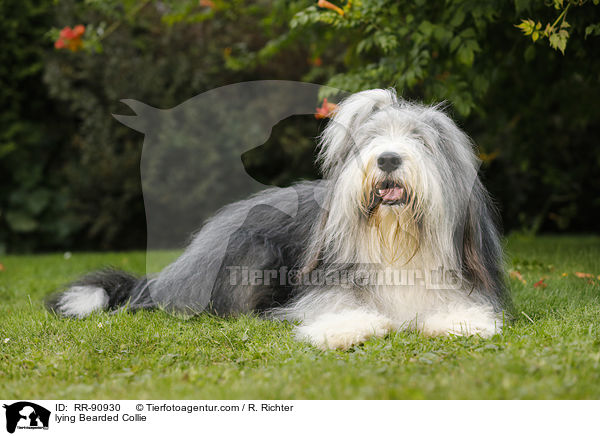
x: 552, y: 350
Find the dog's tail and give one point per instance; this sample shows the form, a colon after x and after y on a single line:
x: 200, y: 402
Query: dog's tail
x: 106, y: 289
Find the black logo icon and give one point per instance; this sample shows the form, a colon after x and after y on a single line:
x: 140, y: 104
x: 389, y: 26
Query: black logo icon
x: 26, y: 415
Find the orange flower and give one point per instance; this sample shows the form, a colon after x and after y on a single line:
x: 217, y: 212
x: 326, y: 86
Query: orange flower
x: 540, y: 283
x: 75, y: 44
x: 207, y: 3
x: 66, y: 33
x: 78, y: 31
x: 317, y: 62
x: 584, y: 275
x: 326, y: 110
x: 327, y: 5
x: 1, y: 267
x: 70, y: 38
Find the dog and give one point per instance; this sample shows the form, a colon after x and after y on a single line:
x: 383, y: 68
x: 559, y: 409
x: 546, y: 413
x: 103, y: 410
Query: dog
x: 399, y: 235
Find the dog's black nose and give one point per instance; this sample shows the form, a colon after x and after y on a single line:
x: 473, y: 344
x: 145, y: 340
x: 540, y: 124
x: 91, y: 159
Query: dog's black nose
x: 389, y: 161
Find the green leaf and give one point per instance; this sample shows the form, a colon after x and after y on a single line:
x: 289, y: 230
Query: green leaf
x: 7, y: 148
x: 521, y: 5
x: 481, y: 84
x: 37, y: 200
x: 21, y: 222
x: 458, y: 18
x: 558, y: 40
x: 426, y: 28
x: 455, y: 43
x: 592, y: 29
x: 468, y: 33
x: 529, y: 54
x: 526, y: 26
x: 465, y: 55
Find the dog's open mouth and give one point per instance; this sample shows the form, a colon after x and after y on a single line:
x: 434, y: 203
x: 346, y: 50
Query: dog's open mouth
x: 390, y: 193
x: 387, y: 193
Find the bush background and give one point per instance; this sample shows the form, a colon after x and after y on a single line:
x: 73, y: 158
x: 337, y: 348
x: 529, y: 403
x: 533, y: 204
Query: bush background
x: 69, y: 172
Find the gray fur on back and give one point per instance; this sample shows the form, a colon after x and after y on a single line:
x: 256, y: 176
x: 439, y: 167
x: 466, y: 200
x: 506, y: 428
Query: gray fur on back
x: 266, y: 231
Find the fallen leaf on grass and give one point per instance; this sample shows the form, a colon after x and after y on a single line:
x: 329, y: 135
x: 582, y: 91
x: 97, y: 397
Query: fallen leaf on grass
x: 514, y: 274
x: 590, y: 277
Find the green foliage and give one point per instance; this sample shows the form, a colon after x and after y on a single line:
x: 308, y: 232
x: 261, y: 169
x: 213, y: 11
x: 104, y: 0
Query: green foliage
x: 532, y: 113
x: 69, y: 172
x: 416, y: 47
x: 557, y: 32
x: 32, y: 207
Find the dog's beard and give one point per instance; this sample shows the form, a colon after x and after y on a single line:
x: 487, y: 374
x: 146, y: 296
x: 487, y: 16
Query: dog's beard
x: 393, y: 220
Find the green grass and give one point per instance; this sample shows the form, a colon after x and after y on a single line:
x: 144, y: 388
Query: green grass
x: 552, y: 350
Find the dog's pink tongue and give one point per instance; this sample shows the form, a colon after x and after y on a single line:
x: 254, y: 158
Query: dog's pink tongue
x: 391, y: 194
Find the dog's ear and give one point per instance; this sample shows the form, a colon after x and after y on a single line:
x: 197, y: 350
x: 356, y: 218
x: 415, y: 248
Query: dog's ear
x: 482, y: 260
x: 337, y: 140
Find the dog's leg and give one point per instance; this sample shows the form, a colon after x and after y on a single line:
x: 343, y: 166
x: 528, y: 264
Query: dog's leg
x: 462, y: 321
x: 341, y: 330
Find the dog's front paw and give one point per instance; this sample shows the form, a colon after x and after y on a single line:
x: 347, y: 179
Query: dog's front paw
x: 343, y: 330
x: 468, y: 322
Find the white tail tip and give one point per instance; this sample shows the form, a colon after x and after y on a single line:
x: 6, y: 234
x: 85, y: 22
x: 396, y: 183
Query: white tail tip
x: 80, y: 301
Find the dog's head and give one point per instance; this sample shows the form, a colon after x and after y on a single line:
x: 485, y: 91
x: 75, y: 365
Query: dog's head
x: 404, y: 170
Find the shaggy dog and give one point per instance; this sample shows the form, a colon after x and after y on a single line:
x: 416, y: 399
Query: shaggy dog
x: 398, y: 235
